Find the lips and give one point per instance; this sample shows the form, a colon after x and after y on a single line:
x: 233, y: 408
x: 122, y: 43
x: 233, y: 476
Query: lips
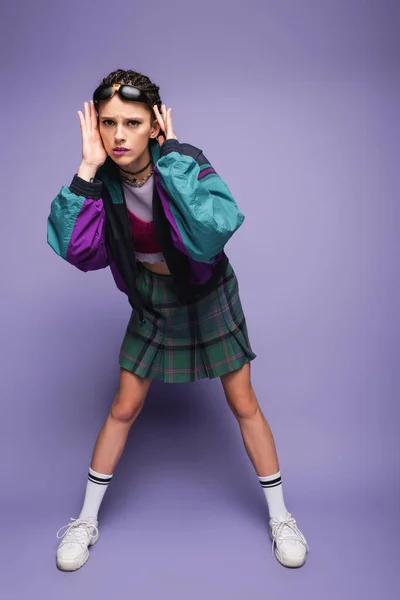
x: 119, y: 151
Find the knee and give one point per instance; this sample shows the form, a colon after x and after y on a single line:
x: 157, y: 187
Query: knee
x: 244, y: 405
x: 240, y: 394
x: 130, y: 397
x: 125, y: 410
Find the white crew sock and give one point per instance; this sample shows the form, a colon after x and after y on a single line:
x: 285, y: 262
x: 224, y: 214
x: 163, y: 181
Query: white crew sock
x: 272, y: 486
x: 95, y: 489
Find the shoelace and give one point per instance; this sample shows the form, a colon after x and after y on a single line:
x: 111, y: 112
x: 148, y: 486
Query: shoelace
x: 76, y: 531
x: 289, y: 523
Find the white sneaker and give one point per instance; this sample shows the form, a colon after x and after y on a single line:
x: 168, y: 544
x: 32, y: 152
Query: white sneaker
x: 290, y: 544
x: 73, y: 551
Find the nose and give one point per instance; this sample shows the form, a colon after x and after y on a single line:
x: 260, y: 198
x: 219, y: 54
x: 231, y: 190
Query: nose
x: 120, y: 135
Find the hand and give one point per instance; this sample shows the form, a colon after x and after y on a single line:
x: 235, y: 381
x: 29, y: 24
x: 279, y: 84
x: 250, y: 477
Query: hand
x: 165, y: 122
x: 93, y: 151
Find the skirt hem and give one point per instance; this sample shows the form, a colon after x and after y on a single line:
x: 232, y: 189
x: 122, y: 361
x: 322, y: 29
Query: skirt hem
x: 209, y: 374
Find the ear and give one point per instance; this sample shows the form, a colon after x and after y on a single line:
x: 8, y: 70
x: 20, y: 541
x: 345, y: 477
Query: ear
x: 156, y: 131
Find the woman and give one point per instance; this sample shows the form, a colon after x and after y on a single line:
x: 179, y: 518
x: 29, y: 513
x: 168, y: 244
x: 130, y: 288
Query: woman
x: 155, y: 211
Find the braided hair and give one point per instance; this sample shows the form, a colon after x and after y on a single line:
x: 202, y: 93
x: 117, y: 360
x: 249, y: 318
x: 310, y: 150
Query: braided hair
x: 140, y: 81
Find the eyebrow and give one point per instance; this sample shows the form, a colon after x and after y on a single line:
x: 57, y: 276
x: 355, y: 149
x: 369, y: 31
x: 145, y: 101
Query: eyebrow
x: 126, y: 119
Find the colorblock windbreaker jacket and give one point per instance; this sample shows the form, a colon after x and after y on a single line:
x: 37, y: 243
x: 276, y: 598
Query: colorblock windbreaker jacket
x: 194, y: 216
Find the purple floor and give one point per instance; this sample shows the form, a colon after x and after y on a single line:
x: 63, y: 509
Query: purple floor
x: 186, y: 518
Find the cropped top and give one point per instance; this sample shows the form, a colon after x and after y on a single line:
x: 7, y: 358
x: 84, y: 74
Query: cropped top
x: 140, y: 213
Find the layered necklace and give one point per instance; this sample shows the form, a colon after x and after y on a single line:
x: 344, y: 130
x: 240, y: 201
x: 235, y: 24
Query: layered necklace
x: 135, y: 182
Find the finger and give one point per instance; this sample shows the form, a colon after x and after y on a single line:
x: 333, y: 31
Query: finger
x: 169, y: 117
x: 93, y: 117
x: 156, y: 112
x: 165, y: 119
x: 169, y: 122
x: 87, y: 116
x: 92, y: 120
x: 159, y: 118
x: 95, y: 122
x: 81, y: 119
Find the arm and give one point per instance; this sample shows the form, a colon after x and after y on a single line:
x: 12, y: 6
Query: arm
x: 76, y: 225
x: 202, y: 211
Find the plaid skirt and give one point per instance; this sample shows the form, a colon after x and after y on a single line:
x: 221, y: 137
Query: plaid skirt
x: 184, y: 342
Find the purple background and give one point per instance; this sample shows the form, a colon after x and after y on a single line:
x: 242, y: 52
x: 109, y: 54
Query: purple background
x: 296, y: 106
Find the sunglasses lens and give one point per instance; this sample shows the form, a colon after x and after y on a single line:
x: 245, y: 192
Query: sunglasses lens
x: 103, y: 92
x: 130, y: 93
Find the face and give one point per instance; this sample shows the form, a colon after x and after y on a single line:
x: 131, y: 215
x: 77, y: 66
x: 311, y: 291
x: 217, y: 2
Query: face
x: 129, y: 125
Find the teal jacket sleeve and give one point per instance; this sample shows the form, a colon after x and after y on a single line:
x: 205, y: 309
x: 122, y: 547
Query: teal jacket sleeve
x: 202, y: 212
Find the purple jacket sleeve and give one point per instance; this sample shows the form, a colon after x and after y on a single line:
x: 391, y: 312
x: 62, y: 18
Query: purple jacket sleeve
x: 76, y: 225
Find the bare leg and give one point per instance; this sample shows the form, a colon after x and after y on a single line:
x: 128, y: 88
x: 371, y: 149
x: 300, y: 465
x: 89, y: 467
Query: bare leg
x: 125, y: 408
x: 290, y: 544
x: 83, y: 532
x: 256, y: 433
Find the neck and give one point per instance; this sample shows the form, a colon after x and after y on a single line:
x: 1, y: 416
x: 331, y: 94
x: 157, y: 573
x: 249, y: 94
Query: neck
x: 138, y: 164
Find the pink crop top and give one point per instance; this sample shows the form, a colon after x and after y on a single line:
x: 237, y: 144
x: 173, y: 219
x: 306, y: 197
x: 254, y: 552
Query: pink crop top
x: 144, y: 235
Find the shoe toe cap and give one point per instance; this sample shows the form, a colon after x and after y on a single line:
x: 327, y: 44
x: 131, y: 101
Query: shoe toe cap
x: 70, y: 551
x: 291, y: 553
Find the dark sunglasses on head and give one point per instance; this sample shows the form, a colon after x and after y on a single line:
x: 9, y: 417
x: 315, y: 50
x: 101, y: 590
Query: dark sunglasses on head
x: 126, y: 91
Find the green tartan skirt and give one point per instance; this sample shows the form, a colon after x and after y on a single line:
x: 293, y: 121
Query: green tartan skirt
x: 178, y: 342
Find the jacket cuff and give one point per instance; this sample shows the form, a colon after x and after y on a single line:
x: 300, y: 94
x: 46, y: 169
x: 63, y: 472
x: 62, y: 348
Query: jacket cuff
x: 170, y: 146
x: 84, y: 188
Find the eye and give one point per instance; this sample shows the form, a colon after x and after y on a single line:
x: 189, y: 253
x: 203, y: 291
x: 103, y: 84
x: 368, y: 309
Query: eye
x: 110, y: 122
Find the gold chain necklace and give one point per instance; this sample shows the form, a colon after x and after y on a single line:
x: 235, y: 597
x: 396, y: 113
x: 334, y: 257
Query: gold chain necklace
x: 135, y: 182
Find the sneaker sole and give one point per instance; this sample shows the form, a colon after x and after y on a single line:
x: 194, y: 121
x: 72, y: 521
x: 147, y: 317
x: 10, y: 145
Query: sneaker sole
x: 72, y: 565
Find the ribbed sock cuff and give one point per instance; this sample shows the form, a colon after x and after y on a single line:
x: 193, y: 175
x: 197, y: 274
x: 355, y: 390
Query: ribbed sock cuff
x: 99, y: 478
x: 271, y: 481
